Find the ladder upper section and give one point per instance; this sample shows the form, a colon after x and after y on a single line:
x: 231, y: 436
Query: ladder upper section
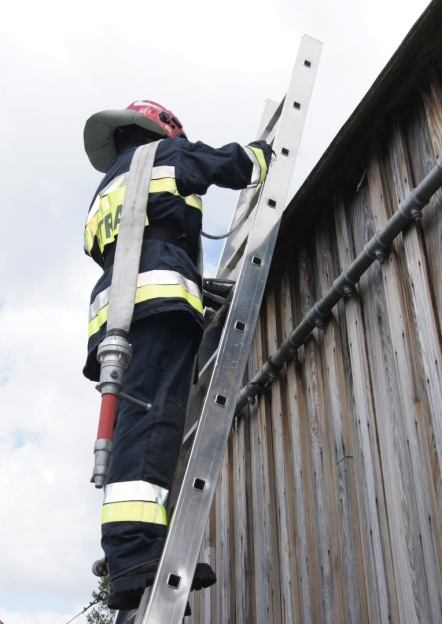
x: 284, y: 132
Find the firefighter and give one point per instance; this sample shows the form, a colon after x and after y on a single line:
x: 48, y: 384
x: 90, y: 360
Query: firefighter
x: 167, y: 321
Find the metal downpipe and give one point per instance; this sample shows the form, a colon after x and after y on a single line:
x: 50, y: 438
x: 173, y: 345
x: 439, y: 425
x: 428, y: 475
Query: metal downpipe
x: 377, y: 248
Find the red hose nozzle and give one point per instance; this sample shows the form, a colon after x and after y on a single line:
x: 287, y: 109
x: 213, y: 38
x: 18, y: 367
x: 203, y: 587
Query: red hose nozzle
x: 108, y: 413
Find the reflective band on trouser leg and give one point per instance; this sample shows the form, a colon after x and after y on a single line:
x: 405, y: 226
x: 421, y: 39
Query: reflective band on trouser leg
x: 151, y: 285
x: 135, y: 511
x: 134, y: 501
x: 124, y: 491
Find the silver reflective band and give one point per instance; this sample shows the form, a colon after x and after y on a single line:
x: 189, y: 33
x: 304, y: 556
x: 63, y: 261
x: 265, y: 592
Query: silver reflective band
x: 256, y: 171
x: 99, y: 302
x: 164, y: 171
x: 126, y: 491
x: 162, y: 277
x: 159, y: 277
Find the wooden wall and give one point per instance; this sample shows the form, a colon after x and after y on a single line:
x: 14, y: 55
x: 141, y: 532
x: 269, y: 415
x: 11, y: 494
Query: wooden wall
x: 329, y: 506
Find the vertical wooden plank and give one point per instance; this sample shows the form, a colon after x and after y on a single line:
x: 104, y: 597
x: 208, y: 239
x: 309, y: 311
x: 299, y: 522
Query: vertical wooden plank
x: 389, y: 412
x: 306, y: 574
x: 432, y: 216
x: 224, y: 569
x: 243, y: 528
x: 212, y: 541
x: 416, y: 262
x: 378, y: 567
x: 425, y: 147
x: 316, y: 411
x: 328, y: 455
x: 282, y: 477
x: 207, y: 555
x: 233, y: 582
x: 341, y: 457
x: 201, y: 601
x: 266, y: 591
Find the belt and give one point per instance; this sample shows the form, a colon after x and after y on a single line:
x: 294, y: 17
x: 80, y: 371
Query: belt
x: 155, y: 232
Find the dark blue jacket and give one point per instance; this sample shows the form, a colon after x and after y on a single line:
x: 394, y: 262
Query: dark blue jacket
x: 168, y: 276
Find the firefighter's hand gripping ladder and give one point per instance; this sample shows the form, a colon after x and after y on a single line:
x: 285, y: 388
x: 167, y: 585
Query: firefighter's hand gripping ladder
x: 246, y: 257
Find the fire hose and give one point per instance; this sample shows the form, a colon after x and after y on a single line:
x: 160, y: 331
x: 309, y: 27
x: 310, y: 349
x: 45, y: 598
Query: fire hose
x: 114, y: 352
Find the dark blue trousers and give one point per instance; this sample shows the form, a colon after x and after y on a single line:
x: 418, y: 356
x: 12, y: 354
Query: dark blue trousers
x: 146, y: 444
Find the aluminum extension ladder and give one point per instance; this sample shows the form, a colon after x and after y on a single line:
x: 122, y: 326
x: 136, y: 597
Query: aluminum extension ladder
x: 246, y: 258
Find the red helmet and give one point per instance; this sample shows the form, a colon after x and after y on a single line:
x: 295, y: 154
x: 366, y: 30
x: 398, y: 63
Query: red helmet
x: 99, y: 129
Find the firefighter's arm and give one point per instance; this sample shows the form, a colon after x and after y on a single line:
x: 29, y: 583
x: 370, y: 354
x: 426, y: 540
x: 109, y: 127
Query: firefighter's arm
x: 231, y: 166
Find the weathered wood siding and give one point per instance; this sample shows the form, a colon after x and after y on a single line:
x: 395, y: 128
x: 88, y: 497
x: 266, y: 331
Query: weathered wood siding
x: 329, y: 506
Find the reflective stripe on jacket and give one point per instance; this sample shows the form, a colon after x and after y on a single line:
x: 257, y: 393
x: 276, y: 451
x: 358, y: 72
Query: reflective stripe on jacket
x: 168, y: 275
x: 150, y: 285
x: 103, y: 220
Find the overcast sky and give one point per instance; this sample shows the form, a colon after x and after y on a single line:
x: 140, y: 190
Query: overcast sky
x: 213, y: 64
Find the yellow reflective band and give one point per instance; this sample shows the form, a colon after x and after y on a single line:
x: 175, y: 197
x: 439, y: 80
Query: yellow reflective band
x: 262, y: 161
x: 145, y: 293
x: 104, y: 223
x: 88, y: 239
x: 168, y: 185
x: 163, y: 185
x: 194, y: 201
x: 134, y: 511
x: 153, y: 291
x: 99, y: 320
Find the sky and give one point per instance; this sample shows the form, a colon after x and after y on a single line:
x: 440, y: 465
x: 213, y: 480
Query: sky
x: 213, y: 65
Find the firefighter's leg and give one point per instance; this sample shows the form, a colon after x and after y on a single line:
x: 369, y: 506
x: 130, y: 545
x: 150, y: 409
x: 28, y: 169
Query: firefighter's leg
x: 145, y: 451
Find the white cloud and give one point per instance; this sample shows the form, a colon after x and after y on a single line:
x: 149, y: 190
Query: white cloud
x: 40, y: 617
x: 50, y: 514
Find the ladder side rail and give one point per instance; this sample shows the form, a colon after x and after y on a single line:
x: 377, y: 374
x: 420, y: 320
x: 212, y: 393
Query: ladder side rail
x: 229, y: 264
x: 172, y: 584
x: 268, y: 120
